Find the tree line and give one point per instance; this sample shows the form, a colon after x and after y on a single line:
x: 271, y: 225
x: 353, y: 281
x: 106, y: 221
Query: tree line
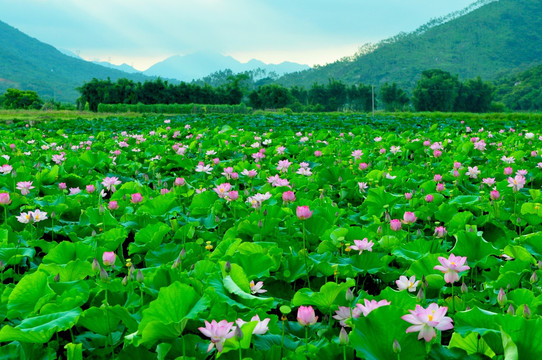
x: 436, y: 90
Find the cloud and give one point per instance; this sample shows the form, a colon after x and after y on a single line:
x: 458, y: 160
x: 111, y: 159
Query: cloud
x: 149, y: 29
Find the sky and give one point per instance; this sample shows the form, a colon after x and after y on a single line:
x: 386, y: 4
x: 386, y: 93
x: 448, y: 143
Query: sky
x: 143, y: 32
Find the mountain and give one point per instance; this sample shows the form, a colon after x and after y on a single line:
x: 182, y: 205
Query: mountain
x: 523, y: 91
x: 488, y: 39
x: 122, y: 67
x: 197, y: 65
x: 28, y: 64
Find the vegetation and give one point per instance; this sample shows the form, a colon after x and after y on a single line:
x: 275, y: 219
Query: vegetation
x: 19, y: 99
x: 521, y: 92
x: 330, y: 236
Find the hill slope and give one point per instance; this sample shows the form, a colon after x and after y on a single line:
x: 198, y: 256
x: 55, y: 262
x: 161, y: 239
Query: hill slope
x: 28, y: 64
x: 496, y: 37
x: 200, y: 64
x: 521, y: 91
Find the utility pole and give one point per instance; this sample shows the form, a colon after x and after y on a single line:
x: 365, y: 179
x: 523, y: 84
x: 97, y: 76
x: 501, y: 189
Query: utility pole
x: 373, y: 98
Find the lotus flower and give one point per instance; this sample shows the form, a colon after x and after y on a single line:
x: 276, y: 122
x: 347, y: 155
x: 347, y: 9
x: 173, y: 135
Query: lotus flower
x: 218, y: 332
x: 306, y: 316
x: 451, y: 267
x: 361, y: 245
x: 427, y: 320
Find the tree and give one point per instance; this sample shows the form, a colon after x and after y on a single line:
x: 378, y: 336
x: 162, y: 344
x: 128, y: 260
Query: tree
x: 22, y: 99
x: 393, y: 97
x: 437, y: 90
x: 270, y: 97
x: 475, y: 96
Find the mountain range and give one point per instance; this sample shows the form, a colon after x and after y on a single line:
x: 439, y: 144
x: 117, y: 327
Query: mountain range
x: 200, y: 64
x: 490, y: 39
x: 493, y: 39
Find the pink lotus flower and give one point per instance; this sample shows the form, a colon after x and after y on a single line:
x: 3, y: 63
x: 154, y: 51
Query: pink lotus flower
x: 62, y: 186
x: 363, y: 186
x: 409, y: 218
x: 371, y: 305
x: 508, y: 171
x: 257, y: 288
x: 6, y: 169
x: 437, y: 178
x: 136, y: 198
x: 4, y: 199
x: 440, y: 187
x: 179, y: 181
x: 457, y: 165
x: 344, y: 313
x: 395, y: 224
x: 303, y: 212
x: 110, y: 182
x: 405, y: 283
x: 306, y: 316
x: 25, y: 187
x: 516, y: 183
x: 90, y: 189
x: 357, y: 154
x: 317, y: 153
x: 361, y: 245
x: 260, y: 329
x: 250, y: 173
x: 427, y: 320
x: 494, y: 195
x: 109, y: 258
x: 451, y: 267
x: 437, y: 153
x: 440, y: 231
x: 288, y: 196
x: 408, y: 196
x: 218, y: 332
x: 113, y: 205
x: 363, y: 166
x: 429, y: 198
x: 164, y: 191
x: 222, y: 190
x: 488, y: 181
x: 283, y: 165
x: 232, y: 195
x: 74, y: 191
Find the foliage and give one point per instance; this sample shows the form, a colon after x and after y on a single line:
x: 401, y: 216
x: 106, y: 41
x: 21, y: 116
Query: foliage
x: 186, y: 253
x: 18, y: 99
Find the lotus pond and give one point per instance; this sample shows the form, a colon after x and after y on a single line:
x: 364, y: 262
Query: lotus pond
x: 270, y: 237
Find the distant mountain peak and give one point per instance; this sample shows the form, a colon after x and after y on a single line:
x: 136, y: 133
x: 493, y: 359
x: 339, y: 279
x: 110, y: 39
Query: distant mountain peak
x: 202, y: 63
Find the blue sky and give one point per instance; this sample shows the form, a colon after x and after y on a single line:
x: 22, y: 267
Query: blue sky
x: 143, y: 32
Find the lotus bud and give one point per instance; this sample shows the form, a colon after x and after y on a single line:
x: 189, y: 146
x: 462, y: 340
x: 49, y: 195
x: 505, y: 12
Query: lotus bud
x: 260, y: 224
x: 526, y: 312
x: 93, y: 233
x: 265, y: 212
x: 53, y: 214
x: 103, y: 274
x: 2, y: 265
x: 238, y: 333
x: 125, y: 281
x: 396, y: 346
x: 131, y: 273
x: 182, y: 254
x: 95, y: 265
x: 464, y: 288
x: 511, y: 310
x: 57, y: 278
x: 349, y: 295
x: 419, y: 296
x: 227, y: 267
x: 343, y: 337
x: 140, y: 278
x: 176, y: 263
x: 379, y: 230
x: 501, y: 298
x: 534, y: 278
